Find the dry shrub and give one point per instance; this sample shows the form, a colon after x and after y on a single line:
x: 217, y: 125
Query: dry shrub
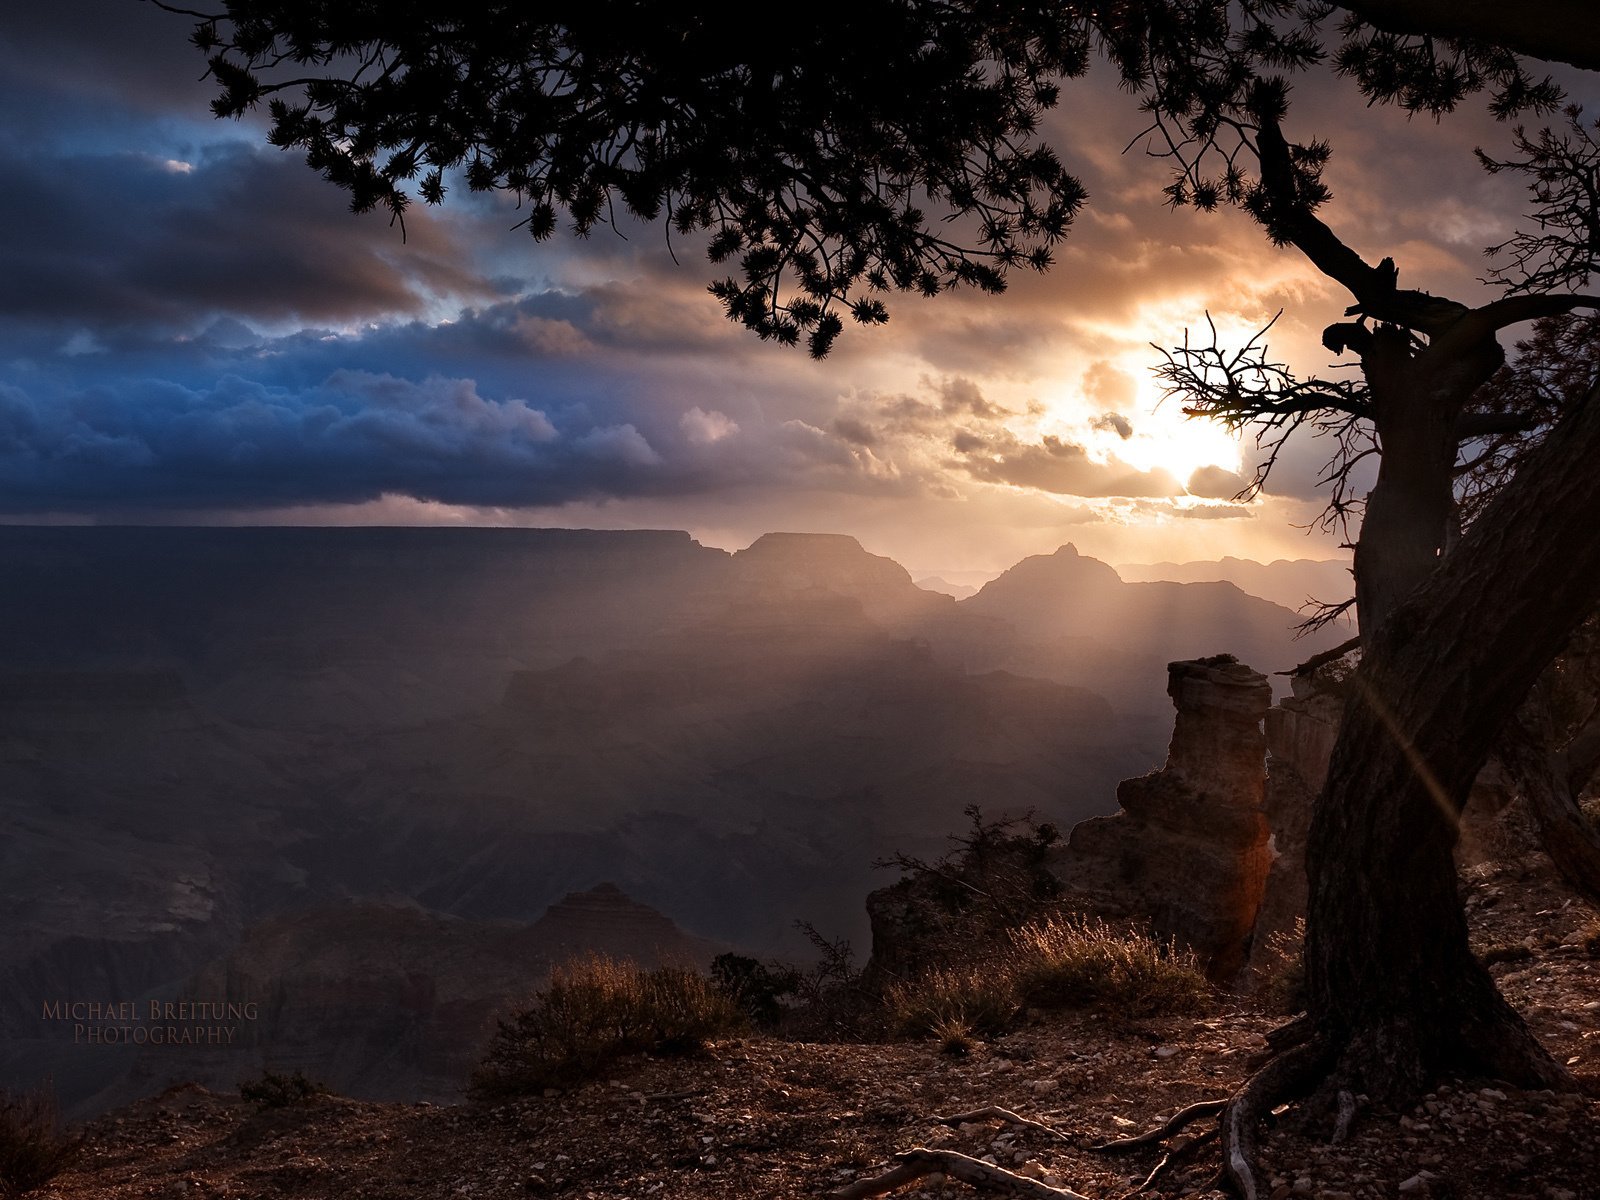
x: 596, y: 1011
x: 1280, y: 982
x: 1078, y: 962
x: 979, y: 1000
x: 1061, y: 962
x: 281, y: 1091
x: 33, y: 1147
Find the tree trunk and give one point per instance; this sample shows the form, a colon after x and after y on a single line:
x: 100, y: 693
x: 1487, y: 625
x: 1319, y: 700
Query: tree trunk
x: 1549, y: 782
x: 1393, y: 988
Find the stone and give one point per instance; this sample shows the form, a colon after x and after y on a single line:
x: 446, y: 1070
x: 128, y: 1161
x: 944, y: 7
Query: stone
x: 1189, y: 849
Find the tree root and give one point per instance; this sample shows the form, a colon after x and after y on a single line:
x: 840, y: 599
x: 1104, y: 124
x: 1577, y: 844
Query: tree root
x: 921, y: 1162
x: 1287, y: 1077
x: 1171, y: 1159
x: 1183, y: 1116
x: 1347, y: 1115
x: 993, y: 1113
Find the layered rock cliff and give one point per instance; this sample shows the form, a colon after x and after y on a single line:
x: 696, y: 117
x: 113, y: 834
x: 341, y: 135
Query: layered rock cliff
x: 1188, y: 850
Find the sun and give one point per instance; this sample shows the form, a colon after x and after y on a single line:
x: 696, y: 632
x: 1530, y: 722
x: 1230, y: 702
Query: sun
x: 1160, y: 436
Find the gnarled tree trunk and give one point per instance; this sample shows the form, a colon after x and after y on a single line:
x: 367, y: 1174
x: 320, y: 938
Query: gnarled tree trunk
x: 1395, y: 995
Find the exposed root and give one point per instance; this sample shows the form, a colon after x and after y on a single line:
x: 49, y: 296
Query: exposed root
x: 993, y: 1113
x: 1287, y: 1077
x: 1172, y: 1157
x: 1347, y: 1115
x: 917, y: 1164
x: 1181, y: 1118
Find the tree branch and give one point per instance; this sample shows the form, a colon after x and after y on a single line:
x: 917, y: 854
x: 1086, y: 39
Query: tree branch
x: 1289, y: 219
x: 1554, y: 30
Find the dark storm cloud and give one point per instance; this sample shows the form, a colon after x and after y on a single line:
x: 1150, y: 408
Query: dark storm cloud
x: 129, y: 238
x: 356, y: 437
x: 126, y: 49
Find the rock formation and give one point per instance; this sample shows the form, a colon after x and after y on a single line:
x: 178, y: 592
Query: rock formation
x: 1300, y: 734
x: 1189, y: 848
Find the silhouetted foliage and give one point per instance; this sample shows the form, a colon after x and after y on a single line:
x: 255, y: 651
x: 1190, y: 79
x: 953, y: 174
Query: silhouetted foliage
x: 272, y: 1090
x: 873, y: 146
x: 994, y: 874
x: 756, y: 987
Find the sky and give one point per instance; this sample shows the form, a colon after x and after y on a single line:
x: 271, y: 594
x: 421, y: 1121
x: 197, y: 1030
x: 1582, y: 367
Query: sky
x: 194, y: 329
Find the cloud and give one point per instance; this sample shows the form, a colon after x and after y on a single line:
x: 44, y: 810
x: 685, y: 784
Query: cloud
x: 704, y: 428
x: 1216, y: 483
x: 119, y: 239
x: 353, y: 437
x: 1114, y: 423
x: 1054, y: 465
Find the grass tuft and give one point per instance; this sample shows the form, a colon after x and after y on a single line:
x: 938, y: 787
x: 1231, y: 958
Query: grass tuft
x: 594, y: 1012
x: 1062, y: 962
x: 1076, y: 962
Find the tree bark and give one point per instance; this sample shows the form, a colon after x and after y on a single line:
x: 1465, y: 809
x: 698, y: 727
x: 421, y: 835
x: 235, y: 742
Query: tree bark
x: 1547, y: 780
x: 1391, y: 982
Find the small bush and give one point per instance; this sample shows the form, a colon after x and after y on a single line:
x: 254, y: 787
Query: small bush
x: 33, y: 1147
x: 1281, y: 981
x: 1070, y: 962
x: 281, y: 1091
x: 758, y: 988
x: 594, y: 1012
x: 979, y: 1000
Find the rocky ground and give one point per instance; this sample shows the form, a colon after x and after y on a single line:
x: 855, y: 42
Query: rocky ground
x: 764, y: 1118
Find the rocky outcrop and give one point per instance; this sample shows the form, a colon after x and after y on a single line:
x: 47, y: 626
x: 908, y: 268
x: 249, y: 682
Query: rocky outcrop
x: 1189, y: 850
x: 1300, y: 734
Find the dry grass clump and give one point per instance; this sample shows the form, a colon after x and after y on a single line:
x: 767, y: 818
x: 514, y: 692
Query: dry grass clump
x: 596, y: 1011
x: 956, y: 1004
x: 33, y: 1147
x: 1280, y: 983
x: 1078, y: 962
x: 1060, y: 962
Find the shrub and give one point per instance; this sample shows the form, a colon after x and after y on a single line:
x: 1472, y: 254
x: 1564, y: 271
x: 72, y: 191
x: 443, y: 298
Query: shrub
x: 281, y: 1091
x: 757, y: 988
x: 980, y: 999
x: 33, y: 1147
x: 1281, y: 981
x: 1073, y: 962
x: 594, y: 1012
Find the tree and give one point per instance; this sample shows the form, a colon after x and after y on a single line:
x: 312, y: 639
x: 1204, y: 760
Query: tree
x: 891, y: 145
